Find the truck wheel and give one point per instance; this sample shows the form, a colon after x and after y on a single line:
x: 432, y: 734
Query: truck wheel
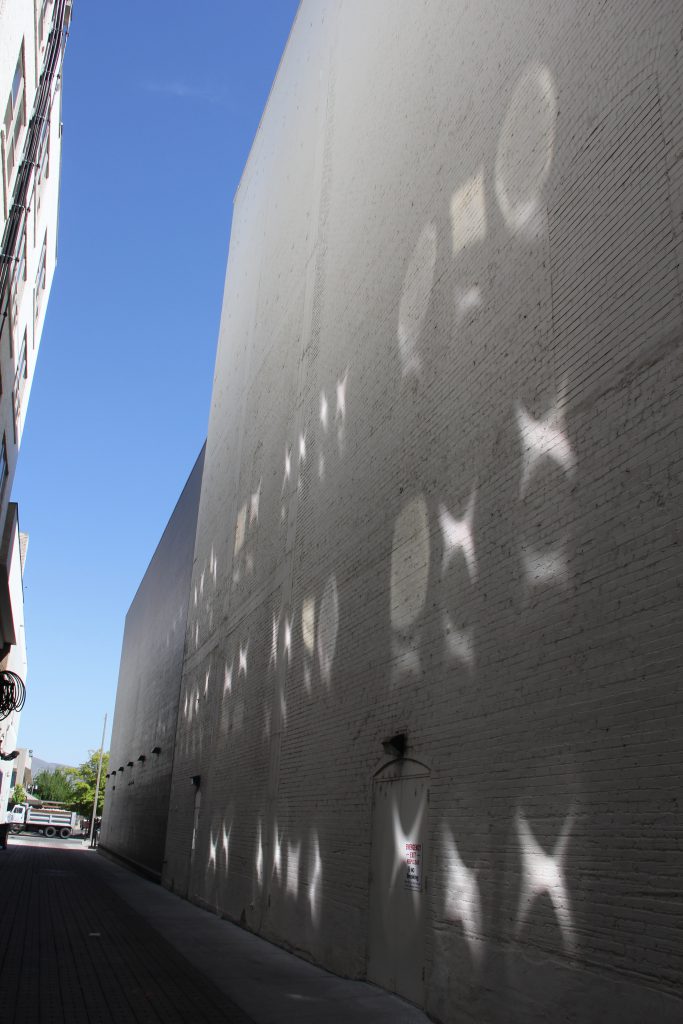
x: 50, y: 831
x: 65, y: 832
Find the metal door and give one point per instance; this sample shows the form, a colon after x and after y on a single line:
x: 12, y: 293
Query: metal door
x: 398, y: 880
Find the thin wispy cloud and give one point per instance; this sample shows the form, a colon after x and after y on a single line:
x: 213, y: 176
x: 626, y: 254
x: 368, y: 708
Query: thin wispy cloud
x: 178, y: 89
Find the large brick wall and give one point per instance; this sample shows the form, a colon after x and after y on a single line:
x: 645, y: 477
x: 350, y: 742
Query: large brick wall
x: 136, y: 797
x: 442, y: 497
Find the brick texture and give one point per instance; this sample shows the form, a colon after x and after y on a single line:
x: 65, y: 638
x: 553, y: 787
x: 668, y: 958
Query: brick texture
x: 136, y: 796
x: 442, y: 496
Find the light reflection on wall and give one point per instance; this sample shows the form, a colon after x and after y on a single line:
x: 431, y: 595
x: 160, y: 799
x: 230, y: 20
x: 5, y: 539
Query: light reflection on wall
x: 468, y: 214
x: 409, y: 563
x: 466, y: 301
x: 315, y: 880
x: 227, y: 690
x: 544, y: 567
x: 458, y: 536
x: 213, y: 847
x: 328, y: 626
x: 243, y: 651
x: 292, y: 871
x: 274, y: 640
x: 402, y: 838
x: 543, y: 873
x: 462, y: 898
x: 258, y: 863
x: 254, y: 505
x: 225, y: 843
x: 414, y: 303
x: 287, y: 645
x: 525, y: 148
x: 277, y: 853
x: 340, y: 414
x: 308, y: 634
x: 323, y: 423
x: 545, y: 438
x: 284, y: 491
x: 459, y: 642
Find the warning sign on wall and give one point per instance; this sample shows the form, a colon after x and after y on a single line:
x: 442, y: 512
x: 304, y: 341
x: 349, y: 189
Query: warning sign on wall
x: 413, y: 861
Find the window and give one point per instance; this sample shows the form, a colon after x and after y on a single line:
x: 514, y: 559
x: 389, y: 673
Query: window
x: 40, y: 281
x: 3, y: 463
x: 17, y: 286
x: 15, y: 116
x: 43, y: 172
x: 19, y: 382
x: 42, y: 19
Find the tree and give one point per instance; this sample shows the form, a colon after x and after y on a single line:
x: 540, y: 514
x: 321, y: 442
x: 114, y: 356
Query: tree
x: 19, y: 795
x: 57, y: 785
x: 84, y: 779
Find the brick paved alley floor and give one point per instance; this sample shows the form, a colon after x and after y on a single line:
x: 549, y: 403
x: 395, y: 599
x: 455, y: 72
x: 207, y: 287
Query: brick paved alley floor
x: 72, y: 950
x: 83, y: 939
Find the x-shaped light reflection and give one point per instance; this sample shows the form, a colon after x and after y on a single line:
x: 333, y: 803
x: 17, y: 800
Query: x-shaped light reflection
x: 401, y: 838
x: 544, y: 873
x: 458, y: 535
x: 463, y: 900
x: 545, y: 438
x: 213, y: 846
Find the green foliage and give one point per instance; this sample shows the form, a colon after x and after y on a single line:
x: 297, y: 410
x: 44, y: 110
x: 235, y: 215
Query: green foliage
x: 57, y: 785
x: 84, y: 779
x: 18, y: 796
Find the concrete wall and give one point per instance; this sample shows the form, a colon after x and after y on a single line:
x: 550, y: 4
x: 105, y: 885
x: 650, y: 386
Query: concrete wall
x: 441, y: 496
x: 136, y: 798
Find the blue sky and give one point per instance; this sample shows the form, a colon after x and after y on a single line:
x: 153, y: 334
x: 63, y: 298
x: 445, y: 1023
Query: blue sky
x: 160, y: 110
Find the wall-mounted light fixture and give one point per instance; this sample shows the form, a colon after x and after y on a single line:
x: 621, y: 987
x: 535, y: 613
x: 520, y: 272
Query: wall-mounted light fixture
x: 395, y: 746
x: 142, y: 757
x: 121, y: 768
x: 156, y: 750
x: 196, y: 780
x: 130, y: 764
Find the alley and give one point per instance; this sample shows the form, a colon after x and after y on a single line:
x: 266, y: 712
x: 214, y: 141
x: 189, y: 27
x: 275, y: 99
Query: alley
x: 85, y: 940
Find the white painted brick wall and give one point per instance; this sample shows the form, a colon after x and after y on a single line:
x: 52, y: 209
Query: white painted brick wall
x: 454, y: 283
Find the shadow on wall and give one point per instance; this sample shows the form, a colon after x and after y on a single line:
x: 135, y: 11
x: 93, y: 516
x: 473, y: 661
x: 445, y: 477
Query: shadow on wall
x: 505, y: 588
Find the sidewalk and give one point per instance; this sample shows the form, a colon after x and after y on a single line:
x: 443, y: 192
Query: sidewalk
x: 84, y: 939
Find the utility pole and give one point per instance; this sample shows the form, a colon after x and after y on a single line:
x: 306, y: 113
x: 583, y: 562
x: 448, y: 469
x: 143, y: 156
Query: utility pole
x: 97, y: 786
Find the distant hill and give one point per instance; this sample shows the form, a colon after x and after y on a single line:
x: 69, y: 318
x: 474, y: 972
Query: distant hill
x: 44, y: 766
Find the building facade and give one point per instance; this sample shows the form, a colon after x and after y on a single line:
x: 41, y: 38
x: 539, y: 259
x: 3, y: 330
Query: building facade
x: 143, y: 736
x: 430, y: 704
x: 32, y: 39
